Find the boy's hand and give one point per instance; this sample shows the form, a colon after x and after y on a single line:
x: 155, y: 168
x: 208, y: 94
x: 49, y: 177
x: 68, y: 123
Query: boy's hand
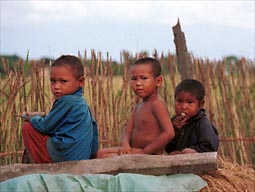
x: 188, y: 150
x: 174, y: 153
x: 26, y: 115
x: 125, y: 149
x: 137, y: 151
x: 184, y: 151
x: 23, y: 116
x: 179, y: 121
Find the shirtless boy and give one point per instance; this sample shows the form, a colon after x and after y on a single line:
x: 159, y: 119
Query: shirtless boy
x: 149, y: 128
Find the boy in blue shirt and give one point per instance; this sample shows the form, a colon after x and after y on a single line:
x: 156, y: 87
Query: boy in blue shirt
x: 194, y: 133
x: 68, y: 131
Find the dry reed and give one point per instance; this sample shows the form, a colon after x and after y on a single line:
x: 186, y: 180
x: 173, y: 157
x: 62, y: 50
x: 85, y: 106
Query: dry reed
x: 230, y: 100
x: 229, y: 177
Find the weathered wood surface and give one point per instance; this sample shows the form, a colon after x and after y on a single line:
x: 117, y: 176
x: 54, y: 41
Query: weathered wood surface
x: 182, y: 53
x: 140, y: 164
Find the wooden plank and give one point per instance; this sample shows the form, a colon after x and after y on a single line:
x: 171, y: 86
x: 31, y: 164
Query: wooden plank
x: 140, y: 164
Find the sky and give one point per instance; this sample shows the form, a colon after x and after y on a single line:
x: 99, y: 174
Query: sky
x: 213, y: 29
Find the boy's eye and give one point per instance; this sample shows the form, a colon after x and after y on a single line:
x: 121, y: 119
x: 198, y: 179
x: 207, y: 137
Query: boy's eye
x: 133, y: 78
x: 144, y: 78
x: 190, y: 101
x: 63, y: 81
x: 52, y: 80
x: 179, y: 100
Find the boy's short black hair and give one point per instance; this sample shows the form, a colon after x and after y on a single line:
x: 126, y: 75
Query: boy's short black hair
x: 73, y: 62
x: 192, y: 86
x: 156, y: 67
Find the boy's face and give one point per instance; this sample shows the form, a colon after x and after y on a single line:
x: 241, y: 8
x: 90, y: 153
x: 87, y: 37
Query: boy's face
x: 187, y: 103
x: 143, y: 83
x: 63, y: 82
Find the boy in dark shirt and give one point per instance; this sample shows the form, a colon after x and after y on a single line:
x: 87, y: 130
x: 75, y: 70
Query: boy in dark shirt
x: 193, y: 131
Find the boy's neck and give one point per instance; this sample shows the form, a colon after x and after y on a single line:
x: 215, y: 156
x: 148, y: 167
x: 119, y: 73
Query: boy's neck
x: 152, y: 97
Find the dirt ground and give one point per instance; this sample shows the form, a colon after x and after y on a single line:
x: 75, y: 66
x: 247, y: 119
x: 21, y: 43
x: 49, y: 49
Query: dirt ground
x: 230, y: 177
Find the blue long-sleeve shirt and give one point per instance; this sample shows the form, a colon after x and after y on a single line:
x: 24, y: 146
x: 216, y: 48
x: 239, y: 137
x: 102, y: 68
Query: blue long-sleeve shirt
x: 72, y: 129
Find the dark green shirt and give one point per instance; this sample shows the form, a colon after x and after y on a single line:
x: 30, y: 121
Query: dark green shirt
x: 198, y: 134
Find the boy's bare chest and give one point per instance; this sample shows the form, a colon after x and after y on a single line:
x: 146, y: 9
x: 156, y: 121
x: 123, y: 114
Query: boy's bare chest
x: 144, y: 116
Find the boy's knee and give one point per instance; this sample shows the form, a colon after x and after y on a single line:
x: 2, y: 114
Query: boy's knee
x: 26, y: 129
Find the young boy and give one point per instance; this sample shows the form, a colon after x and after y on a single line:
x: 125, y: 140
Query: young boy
x: 69, y: 131
x: 193, y: 131
x: 149, y: 128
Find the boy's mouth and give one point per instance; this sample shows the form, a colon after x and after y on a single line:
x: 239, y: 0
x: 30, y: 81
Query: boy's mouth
x: 57, y: 94
x: 139, y: 90
x: 183, y: 114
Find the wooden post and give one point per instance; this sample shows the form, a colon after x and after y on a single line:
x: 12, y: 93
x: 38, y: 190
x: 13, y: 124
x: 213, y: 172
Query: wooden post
x: 183, y: 57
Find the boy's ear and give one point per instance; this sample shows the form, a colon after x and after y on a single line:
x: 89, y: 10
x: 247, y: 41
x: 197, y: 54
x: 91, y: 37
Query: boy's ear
x: 159, y: 80
x: 81, y: 81
x: 202, y: 103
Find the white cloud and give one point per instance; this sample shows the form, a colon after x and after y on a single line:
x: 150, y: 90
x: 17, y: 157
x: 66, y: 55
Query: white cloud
x: 132, y: 25
x: 235, y: 13
x: 229, y: 13
x: 62, y: 11
x: 41, y: 12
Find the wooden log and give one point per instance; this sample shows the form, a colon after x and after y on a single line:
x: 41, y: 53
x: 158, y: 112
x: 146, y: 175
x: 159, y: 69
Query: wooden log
x: 140, y: 164
x: 182, y: 53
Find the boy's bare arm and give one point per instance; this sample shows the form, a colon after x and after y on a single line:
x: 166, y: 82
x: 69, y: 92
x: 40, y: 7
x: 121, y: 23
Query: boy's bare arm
x: 35, y: 113
x: 179, y: 121
x: 127, y: 133
x: 27, y: 115
x: 161, y: 113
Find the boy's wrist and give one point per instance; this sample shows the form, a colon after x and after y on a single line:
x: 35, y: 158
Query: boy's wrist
x: 42, y: 114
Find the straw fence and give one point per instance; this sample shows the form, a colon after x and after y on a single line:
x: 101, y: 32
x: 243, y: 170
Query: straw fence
x: 230, y: 100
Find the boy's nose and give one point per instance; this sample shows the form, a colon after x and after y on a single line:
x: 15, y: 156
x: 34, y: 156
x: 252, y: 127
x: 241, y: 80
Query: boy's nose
x: 56, y: 86
x: 184, y: 106
x: 138, y: 82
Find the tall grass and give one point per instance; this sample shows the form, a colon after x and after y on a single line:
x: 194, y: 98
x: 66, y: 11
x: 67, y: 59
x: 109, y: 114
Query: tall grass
x: 230, y: 96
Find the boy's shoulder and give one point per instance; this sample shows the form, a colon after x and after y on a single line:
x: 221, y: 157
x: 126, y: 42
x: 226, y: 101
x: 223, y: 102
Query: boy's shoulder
x: 71, y: 99
x: 159, y: 101
x: 201, y: 116
x: 204, y: 122
x: 159, y: 108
